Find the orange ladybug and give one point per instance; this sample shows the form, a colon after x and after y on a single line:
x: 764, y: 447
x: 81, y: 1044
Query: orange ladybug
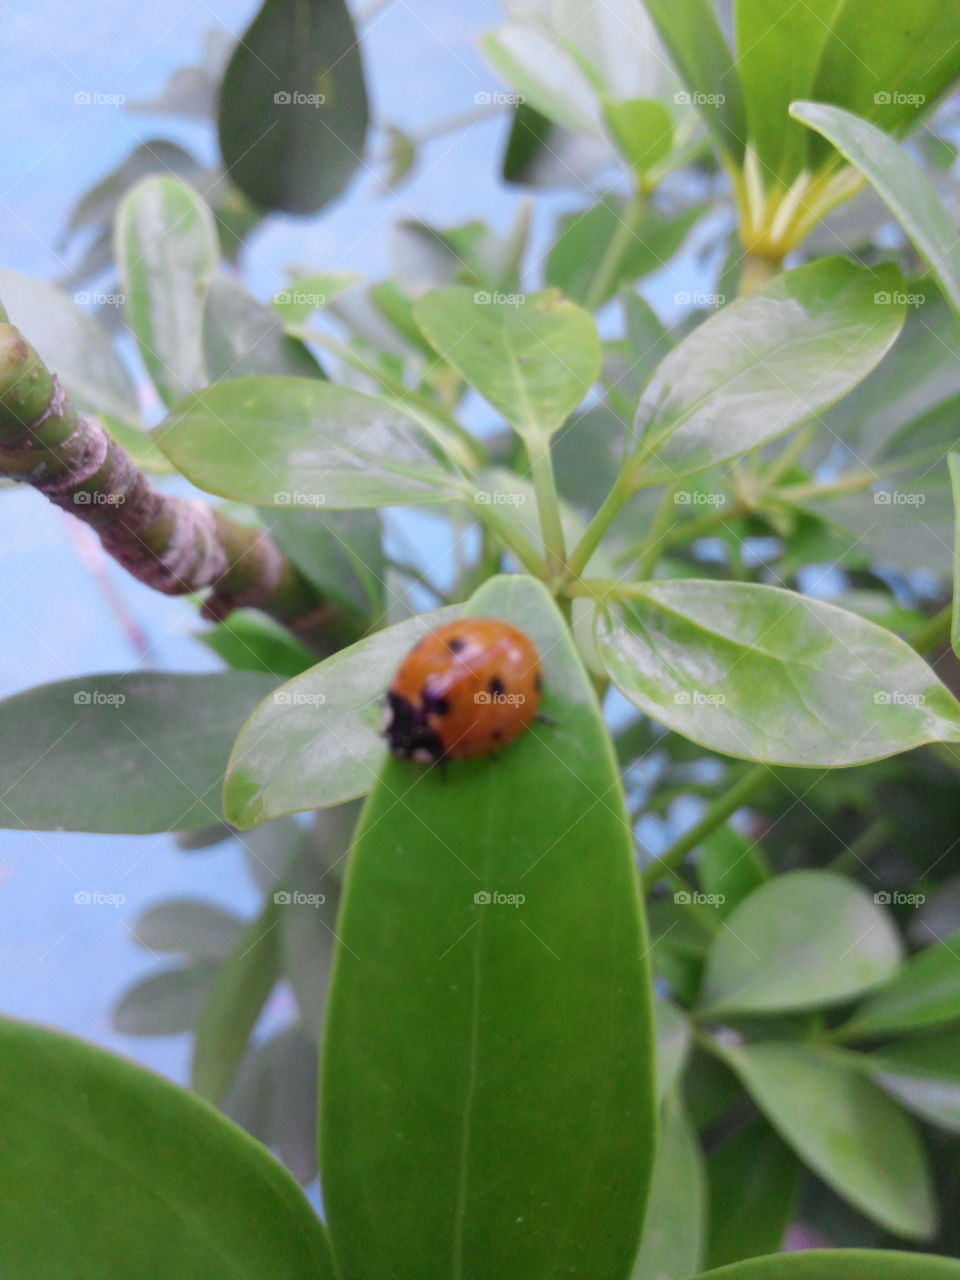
x: 466, y: 689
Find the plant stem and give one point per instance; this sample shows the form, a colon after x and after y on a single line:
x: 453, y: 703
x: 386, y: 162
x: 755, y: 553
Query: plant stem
x: 930, y: 633
x: 746, y: 786
x: 598, y: 526
x: 666, y: 514
x: 617, y: 247
x: 865, y: 844
x: 548, y: 509
x: 757, y: 270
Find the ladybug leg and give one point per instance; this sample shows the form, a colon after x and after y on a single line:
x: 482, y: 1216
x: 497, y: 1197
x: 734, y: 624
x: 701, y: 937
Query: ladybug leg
x: 547, y: 720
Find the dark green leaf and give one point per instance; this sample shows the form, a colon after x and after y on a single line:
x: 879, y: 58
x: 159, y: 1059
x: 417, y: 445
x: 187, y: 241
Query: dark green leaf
x: 123, y: 753
x: 840, y: 1264
x: 642, y: 129
x: 248, y: 640
x: 164, y: 1004
x: 923, y: 1074
x: 925, y: 992
x: 753, y: 1178
x: 109, y: 1170
x: 341, y: 552
x: 672, y: 1244
x: 293, y: 105
x: 242, y: 337
x: 731, y: 866
x: 189, y: 926
x: 544, y: 999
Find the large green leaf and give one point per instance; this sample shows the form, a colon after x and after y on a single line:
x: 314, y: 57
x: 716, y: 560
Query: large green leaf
x: 779, y: 50
x: 771, y: 675
x: 316, y: 742
x: 533, y: 358
x: 487, y: 1084
x: 110, y: 1171
x: 753, y: 1178
x: 242, y: 337
x: 188, y: 926
x: 341, y: 552
x: 576, y: 256
x: 842, y: 1126
x: 165, y: 1003
x: 953, y: 463
x: 803, y: 939
x: 235, y: 1001
x: 897, y: 178
x: 841, y: 1264
x: 925, y: 992
x: 765, y: 364
x: 136, y: 753
x: 165, y: 244
x: 673, y: 1235
x: 300, y: 442
x: 293, y: 105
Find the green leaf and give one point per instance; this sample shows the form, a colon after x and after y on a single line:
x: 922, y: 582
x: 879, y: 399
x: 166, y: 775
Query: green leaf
x: 576, y: 256
x: 293, y: 105
x: 779, y: 51
x: 753, y: 1179
x: 300, y: 442
x: 731, y: 866
x: 311, y: 293
x: 674, y: 1035
x: 804, y: 939
x: 166, y: 1003
x: 533, y: 359
x: 897, y: 179
x: 166, y: 248
x: 926, y: 991
x: 316, y: 741
x: 248, y: 640
x: 84, y: 1131
x: 546, y: 77
x: 189, y: 926
x: 763, y: 365
x: 693, y: 38
x: 242, y: 337
x: 841, y: 1264
x: 953, y: 463
x: 923, y: 1074
x: 672, y: 1244
x: 235, y: 1002
x: 341, y: 552
x: 766, y: 674
x: 121, y: 753
x: 642, y: 130
x: 843, y: 1128
x: 889, y: 64
x: 545, y: 999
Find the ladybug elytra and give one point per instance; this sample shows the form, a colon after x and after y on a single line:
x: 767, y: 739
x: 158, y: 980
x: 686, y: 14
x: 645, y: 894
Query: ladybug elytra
x: 466, y: 689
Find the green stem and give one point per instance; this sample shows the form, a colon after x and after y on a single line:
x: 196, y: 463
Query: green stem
x: 757, y: 270
x: 598, y: 526
x: 743, y: 790
x: 866, y: 843
x: 650, y: 551
x: 548, y: 509
x: 619, y: 243
x: 932, y: 632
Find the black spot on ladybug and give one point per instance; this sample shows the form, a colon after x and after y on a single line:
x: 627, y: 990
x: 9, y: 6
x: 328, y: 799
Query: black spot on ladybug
x: 455, y: 644
x: 538, y: 683
x: 435, y: 704
x: 497, y: 688
x: 497, y: 735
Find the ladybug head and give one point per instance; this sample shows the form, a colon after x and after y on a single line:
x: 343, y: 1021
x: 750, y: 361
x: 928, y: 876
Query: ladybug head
x: 408, y: 732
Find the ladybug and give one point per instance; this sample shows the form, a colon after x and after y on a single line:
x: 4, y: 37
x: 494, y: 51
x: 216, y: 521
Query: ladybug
x: 466, y: 689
